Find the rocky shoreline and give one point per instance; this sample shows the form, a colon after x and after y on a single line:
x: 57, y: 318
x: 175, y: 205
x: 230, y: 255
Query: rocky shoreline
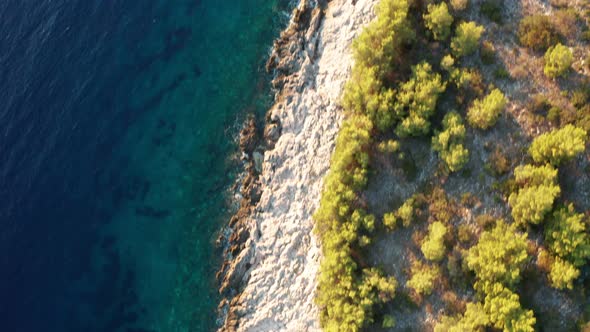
x: 268, y: 278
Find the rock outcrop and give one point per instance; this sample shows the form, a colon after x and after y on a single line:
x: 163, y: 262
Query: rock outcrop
x: 269, y: 278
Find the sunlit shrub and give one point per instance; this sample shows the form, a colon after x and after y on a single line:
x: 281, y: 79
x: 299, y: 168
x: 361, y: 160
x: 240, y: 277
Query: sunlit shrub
x: 466, y: 39
x: 484, y: 113
x: 439, y: 20
x: 558, y: 61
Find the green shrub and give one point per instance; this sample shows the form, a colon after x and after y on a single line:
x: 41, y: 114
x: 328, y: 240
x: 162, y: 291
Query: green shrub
x: 388, y: 322
x: 466, y: 39
x: 447, y: 63
x: 554, y: 114
x: 379, y: 44
x: 449, y: 142
x: 433, y: 246
x: 559, y: 145
x: 467, y: 79
x: 439, y: 20
x: 346, y: 292
x: 416, y: 100
x: 492, y: 9
x: 503, y: 308
x: 484, y: 113
x: 406, y: 212
x: 390, y: 221
x: 389, y: 146
x: 529, y: 175
x: 566, y: 235
x: 345, y: 298
x: 423, y: 277
x: 563, y: 274
x: 474, y: 319
x: 536, y: 194
x: 364, y: 94
x: 537, y: 32
x: 558, y: 61
x: 498, y: 257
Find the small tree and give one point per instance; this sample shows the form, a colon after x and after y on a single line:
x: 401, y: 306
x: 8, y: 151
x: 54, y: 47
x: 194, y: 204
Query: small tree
x: 380, y: 43
x: 558, y: 60
x: 559, y: 145
x: 416, y: 100
x: 406, y: 212
x: 439, y: 20
x: 484, y: 113
x: 433, y: 246
x: 566, y: 235
x: 390, y: 221
x: 505, y: 312
x: 536, y: 192
x: 466, y: 38
x: 498, y: 256
x: 449, y: 142
x: 423, y: 277
x: 563, y: 274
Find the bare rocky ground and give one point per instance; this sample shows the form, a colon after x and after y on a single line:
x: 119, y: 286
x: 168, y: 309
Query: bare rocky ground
x: 394, y: 180
x: 269, y: 278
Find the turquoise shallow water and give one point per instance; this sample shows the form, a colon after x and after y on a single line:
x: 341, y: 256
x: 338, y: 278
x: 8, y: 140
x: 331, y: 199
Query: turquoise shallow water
x: 183, y: 148
x: 118, y: 123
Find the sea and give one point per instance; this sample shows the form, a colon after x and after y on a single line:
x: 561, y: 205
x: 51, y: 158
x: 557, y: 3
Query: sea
x: 118, y: 126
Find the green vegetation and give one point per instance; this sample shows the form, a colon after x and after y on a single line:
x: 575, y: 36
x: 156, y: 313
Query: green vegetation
x: 364, y: 94
x: 566, y: 235
x: 390, y: 221
x: 563, y: 274
x: 474, y: 319
x: 504, y: 311
x: 379, y: 44
x: 416, y: 100
x: 498, y: 257
x: 537, y: 190
x: 347, y: 293
x: 439, y: 20
x: 433, y: 246
x: 406, y: 212
x: 558, y: 146
x: 537, y: 32
x: 466, y: 39
x: 423, y: 277
x: 449, y: 142
x: 389, y: 146
x: 484, y: 113
x: 396, y: 88
x: 558, y: 61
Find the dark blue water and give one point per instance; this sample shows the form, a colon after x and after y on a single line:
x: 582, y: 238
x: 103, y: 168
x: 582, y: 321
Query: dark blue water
x: 117, y: 123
